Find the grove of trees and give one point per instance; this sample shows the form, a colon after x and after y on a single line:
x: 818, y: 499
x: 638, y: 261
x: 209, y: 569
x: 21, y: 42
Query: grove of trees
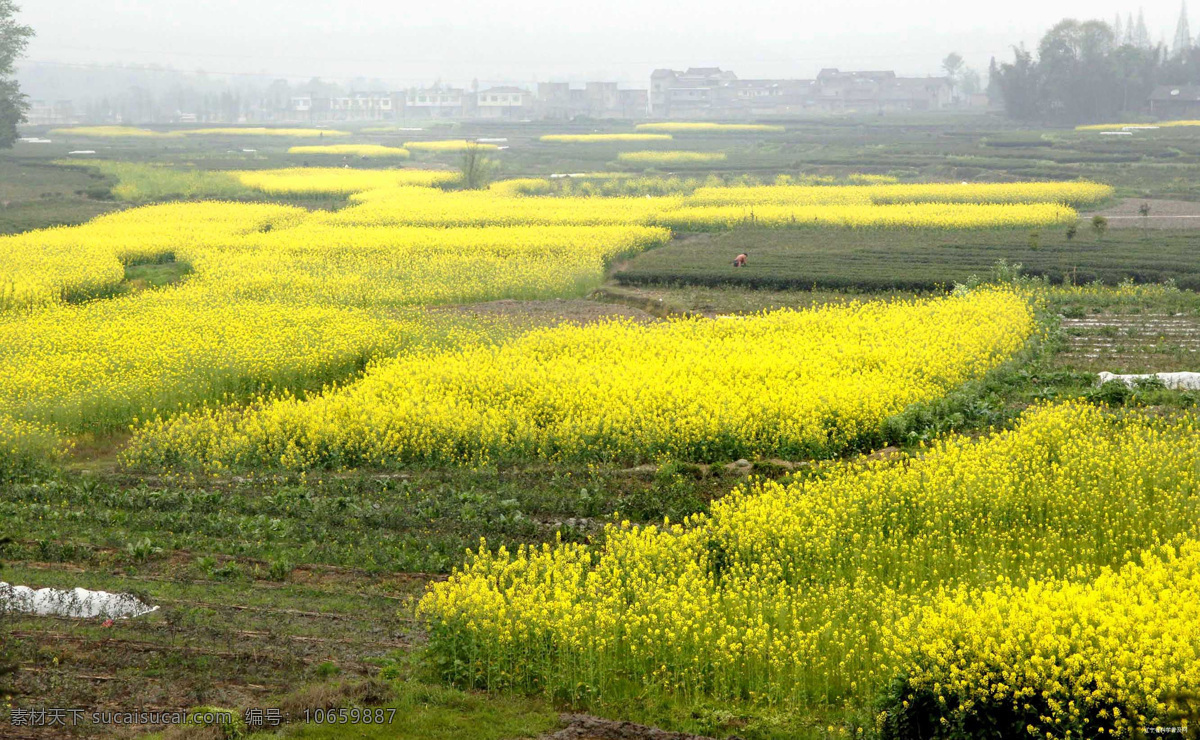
x: 1091, y: 71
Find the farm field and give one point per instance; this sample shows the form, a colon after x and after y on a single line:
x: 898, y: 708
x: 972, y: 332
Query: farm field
x: 512, y: 448
x: 874, y: 260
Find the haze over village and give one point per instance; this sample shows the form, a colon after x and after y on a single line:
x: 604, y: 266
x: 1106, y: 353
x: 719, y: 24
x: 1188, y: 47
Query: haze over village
x: 868, y: 70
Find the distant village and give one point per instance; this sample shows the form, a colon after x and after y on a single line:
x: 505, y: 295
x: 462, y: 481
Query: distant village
x: 695, y: 93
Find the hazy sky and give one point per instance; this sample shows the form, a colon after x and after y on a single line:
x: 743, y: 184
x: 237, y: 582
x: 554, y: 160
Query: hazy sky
x: 527, y: 40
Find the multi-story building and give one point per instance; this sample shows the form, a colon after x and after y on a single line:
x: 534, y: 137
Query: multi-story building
x: 435, y: 102
x: 504, y: 102
x: 558, y: 100
x: 710, y: 92
x: 694, y: 92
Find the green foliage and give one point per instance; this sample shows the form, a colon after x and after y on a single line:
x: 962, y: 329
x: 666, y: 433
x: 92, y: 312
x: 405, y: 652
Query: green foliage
x: 921, y: 714
x: 227, y: 722
x: 150, y: 183
x: 477, y: 169
x: 14, y: 37
x: 674, y: 494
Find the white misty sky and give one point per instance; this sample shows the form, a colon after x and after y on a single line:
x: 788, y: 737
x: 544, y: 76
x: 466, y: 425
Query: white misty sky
x: 528, y: 40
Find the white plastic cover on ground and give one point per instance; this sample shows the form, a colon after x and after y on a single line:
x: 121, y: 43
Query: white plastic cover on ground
x: 78, y: 602
x: 1174, y: 381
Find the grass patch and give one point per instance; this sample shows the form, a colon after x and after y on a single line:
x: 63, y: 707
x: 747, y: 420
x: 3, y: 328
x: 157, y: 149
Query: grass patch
x: 426, y: 712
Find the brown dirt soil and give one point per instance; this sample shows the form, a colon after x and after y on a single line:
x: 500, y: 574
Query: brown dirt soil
x: 587, y: 727
x: 546, y: 313
x: 1164, y: 214
x: 1140, y: 343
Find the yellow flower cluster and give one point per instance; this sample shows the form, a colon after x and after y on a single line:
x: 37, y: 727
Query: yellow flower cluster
x: 111, y: 132
x: 787, y: 383
x: 681, y: 127
x: 295, y: 133
x: 402, y: 241
x: 25, y: 447
x: 902, y: 206
x: 1117, y: 126
x: 601, y: 138
x: 494, y: 207
x: 100, y: 365
x: 1078, y: 194
x: 897, y: 216
x: 1081, y: 659
x: 353, y: 150
x: 793, y: 593
x: 339, y: 180
x: 449, y: 145
x: 675, y: 157
x: 80, y: 262
x: 278, y: 297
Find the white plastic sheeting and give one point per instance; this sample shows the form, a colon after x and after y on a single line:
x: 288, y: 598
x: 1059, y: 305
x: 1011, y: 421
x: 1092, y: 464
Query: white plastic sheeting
x: 1174, y: 381
x: 78, y: 602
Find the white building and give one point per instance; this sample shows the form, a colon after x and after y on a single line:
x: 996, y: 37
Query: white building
x: 503, y: 102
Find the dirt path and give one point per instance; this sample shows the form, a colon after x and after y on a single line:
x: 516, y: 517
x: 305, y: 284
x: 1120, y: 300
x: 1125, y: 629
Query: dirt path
x: 546, y: 313
x: 1164, y: 214
x: 587, y: 727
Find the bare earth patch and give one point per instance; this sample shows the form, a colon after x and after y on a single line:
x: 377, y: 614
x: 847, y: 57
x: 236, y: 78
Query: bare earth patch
x: 546, y: 313
x: 1137, y: 343
x: 1164, y: 214
x: 587, y: 727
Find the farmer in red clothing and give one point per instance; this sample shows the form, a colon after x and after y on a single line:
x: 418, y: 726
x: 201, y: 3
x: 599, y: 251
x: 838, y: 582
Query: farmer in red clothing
x: 740, y: 260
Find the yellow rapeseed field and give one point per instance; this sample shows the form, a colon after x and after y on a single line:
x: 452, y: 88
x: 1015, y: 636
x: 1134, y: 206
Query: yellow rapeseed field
x: 353, y: 150
x: 813, y: 591
x: 295, y: 133
x: 790, y: 383
x: 1118, y: 126
x: 675, y: 157
x: 277, y: 298
x: 403, y: 241
x: 893, y: 216
x: 339, y: 180
x: 1088, y: 659
x: 1075, y: 194
x: 111, y: 132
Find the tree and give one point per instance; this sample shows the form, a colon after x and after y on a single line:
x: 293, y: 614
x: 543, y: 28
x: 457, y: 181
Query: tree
x: 970, y: 83
x: 1019, y: 85
x: 953, y: 64
x: 1183, y: 35
x: 477, y: 170
x: 1141, y: 37
x: 13, y: 39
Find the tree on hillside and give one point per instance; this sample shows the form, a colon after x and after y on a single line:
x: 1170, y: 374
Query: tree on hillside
x: 13, y: 38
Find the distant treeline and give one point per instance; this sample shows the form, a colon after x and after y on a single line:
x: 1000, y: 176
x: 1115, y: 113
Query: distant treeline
x: 1088, y: 72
